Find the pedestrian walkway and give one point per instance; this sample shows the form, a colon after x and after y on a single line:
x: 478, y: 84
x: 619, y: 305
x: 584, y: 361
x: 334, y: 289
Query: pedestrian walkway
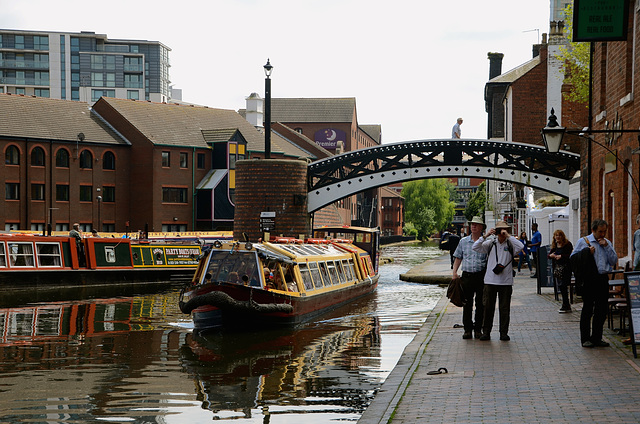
x: 543, y: 375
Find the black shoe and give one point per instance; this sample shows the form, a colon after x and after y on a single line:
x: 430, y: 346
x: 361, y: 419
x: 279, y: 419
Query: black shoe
x: 534, y: 276
x: 505, y: 338
x: 564, y: 310
x: 588, y: 344
x: 477, y: 334
x: 600, y: 343
x: 485, y: 337
x: 466, y: 335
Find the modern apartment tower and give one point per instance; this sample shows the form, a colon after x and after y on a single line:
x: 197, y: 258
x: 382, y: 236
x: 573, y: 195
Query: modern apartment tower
x: 82, y: 66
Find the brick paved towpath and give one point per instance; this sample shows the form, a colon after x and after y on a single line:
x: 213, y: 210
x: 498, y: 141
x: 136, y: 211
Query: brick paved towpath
x: 543, y: 375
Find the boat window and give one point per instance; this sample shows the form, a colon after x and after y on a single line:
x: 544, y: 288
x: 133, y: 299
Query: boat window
x: 3, y: 257
x: 225, y: 267
x: 49, y: 254
x: 348, y: 269
x: 341, y: 274
x: 345, y: 268
x: 366, y: 264
x: 315, y: 274
x: 325, y: 274
x: 333, y: 272
x: 21, y: 254
x: 306, y: 277
x: 289, y: 278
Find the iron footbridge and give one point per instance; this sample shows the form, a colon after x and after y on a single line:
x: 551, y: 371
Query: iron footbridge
x: 340, y: 176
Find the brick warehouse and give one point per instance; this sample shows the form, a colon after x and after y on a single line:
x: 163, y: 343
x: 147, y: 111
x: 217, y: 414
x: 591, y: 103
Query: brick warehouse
x: 147, y: 160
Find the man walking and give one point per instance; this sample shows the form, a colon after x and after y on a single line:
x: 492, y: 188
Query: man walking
x: 592, y: 258
x: 500, y: 248
x: 536, y: 242
x: 473, y: 265
x: 456, y: 131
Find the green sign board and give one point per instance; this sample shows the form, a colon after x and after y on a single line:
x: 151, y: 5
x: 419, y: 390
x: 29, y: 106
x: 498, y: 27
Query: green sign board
x: 600, y: 20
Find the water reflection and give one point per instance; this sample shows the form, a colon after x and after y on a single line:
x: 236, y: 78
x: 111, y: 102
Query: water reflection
x: 134, y: 359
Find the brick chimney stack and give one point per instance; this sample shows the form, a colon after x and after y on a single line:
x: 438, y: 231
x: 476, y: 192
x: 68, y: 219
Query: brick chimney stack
x: 495, y: 64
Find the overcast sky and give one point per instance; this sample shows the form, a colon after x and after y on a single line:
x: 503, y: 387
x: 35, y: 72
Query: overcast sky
x: 413, y: 66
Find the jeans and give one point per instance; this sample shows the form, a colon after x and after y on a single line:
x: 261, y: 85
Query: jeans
x: 491, y: 291
x: 472, y: 286
x: 523, y: 258
x: 595, y: 296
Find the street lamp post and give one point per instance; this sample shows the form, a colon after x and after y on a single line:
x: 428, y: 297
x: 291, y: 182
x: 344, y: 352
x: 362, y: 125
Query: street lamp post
x: 50, y: 220
x: 99, y: 199
x: 552, y: 136
x: 267, y: 110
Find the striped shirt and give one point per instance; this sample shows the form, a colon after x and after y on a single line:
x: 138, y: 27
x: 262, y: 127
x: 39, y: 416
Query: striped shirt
x: 472, y: 261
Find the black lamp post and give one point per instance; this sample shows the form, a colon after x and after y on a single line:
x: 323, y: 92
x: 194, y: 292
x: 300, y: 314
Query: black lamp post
x: 267, y: 110
x: 552, y: 136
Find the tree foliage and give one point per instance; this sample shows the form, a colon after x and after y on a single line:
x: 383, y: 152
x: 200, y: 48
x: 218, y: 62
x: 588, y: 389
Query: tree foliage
x: 427, y: 204
x: 575, y: 59
x: 476, y: 203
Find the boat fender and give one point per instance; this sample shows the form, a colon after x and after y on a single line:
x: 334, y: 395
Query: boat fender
x: 224, y: 301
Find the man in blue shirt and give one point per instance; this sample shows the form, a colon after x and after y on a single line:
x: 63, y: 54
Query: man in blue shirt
x: 536, y: 241
x: 473, y: 266
x: 595, y: 294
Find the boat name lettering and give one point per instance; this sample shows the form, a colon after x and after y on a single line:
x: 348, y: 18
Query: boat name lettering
x: 182, y: 252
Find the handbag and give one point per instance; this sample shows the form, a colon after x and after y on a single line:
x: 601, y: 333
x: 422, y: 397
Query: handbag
x: 559, y: 270
x: 454, y: 292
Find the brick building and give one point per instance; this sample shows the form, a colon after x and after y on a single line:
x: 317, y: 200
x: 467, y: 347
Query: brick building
x: 63, y: 164
x: 391, y: 212
x: 124, y: 164
x: 608, y: 186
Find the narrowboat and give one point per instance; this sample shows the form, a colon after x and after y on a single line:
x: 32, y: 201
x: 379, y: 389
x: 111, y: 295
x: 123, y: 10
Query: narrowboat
x: 283, y: 282
x: 33, y: 259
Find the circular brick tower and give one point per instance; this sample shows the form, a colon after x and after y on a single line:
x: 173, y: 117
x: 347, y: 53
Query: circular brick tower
x: 271, y: 196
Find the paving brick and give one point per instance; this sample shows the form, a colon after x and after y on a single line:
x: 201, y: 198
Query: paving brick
x: 543, y: 375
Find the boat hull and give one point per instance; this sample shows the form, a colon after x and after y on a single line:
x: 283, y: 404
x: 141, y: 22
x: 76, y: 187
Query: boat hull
x: 251, y: 308
x: 75, y: 277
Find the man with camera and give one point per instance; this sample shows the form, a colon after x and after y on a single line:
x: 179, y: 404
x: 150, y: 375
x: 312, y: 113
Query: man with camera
x: 473, y: 265
x: 500, y: 248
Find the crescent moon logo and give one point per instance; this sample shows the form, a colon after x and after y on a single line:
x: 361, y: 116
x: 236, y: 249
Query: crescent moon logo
x: 333, y: 136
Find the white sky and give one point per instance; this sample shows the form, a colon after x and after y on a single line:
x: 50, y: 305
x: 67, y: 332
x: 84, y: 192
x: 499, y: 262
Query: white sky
x: 413, y: 66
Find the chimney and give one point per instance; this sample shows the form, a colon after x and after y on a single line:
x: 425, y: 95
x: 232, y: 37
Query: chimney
x: 254, y: 113
x: 495, y: 64
x: 536, y: 50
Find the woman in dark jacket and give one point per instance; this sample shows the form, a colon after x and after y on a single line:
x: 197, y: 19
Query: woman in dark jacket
x: 560, y: 252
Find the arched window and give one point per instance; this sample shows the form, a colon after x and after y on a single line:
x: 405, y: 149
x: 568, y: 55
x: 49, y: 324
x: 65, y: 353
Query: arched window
x: 37, y: 157
x: 12, y: 156
x: 62, y: 158
x: 109, y: 161
x: 86, y: 159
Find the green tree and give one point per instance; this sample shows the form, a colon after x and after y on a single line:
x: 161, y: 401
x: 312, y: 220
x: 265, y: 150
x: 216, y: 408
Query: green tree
x: 575, y: 59
x: 427, y: 204
x: 476, y: 203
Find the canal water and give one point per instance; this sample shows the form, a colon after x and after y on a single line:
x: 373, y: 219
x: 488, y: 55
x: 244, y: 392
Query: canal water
x: 135, y: 359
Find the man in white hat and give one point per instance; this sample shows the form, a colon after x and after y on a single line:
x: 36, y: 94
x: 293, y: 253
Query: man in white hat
x: 473, y: 266
x: 500, y: 248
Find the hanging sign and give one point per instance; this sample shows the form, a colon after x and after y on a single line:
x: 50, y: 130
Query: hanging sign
x: 600, y: 20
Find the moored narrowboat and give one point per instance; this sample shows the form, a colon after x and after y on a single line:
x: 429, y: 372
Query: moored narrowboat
x: 32, y: 259
x: 282, y: 282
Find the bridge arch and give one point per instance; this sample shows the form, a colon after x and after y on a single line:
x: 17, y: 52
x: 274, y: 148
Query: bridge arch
x: 340, y: 176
